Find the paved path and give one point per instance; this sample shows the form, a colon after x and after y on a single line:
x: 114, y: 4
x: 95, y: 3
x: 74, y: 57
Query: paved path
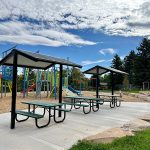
x: 76, y: 126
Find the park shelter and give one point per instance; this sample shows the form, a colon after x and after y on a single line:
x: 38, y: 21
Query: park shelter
x: 19, y: 58
x: 99, y: 70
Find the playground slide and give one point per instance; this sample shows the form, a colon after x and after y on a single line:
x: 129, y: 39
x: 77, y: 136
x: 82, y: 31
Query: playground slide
x: 67, y: 92
x: 73, y: 90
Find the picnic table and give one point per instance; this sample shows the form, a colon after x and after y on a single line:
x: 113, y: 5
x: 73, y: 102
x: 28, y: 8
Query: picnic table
x: 46, y: 106
x: 112, y: 99
x: 86, y: 102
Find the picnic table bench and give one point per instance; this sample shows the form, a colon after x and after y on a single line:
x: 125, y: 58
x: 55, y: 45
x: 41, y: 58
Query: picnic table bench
x: 85, y: 102
x: 56, y: 107
x: 112, y: 99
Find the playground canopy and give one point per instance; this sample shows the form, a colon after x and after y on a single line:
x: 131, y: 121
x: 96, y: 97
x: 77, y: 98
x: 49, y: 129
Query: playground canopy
x: 99, y: 70
x: 34, y: 60
x: 18, y: 58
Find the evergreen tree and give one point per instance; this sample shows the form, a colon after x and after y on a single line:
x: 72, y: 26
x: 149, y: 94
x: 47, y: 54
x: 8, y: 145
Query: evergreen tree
x: 129, y: 66
x: 117, y: 64
x: 142, y: 64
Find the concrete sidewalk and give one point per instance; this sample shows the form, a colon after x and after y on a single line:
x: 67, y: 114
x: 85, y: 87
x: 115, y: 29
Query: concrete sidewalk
x: 62, y: 136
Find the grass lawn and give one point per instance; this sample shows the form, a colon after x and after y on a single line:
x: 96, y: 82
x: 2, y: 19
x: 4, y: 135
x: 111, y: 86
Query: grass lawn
x: 133, y: 91
x: 136, y: 91
x: 141, y: 141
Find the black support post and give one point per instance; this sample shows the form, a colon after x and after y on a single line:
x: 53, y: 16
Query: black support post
x: 14, y: 92
x: 97, y: 83
x: 60, y: 87
x: 112, y: 82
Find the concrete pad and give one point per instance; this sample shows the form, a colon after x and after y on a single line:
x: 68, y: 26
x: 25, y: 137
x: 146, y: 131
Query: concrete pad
x: 76, y: 126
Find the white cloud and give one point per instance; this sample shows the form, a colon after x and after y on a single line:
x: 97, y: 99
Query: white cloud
x: 89, y: 62
x: 25, y: 33
x: 30, y: 39
x: 63, y: 36
x: 107, y: 51
x: 51, y: 18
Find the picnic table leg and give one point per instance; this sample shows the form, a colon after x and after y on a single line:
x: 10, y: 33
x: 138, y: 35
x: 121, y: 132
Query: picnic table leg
x: 25, y: 118
x: 44, y: 112
x: 33, y: 108
x: 112, y: 103
x: 70, y: 107
x: 89, y: 109
x: 93, y: 104
x: 33, y: 111
x: 63, y: 118
x: 101, y: 102
x: 76, y: 106
x: 21, y: 119
x: 74, y: 101
x: 49, y: 119
x: 118, y: 102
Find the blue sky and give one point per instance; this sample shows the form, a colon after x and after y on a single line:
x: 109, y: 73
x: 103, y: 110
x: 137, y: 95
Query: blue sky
x: 85, y: 31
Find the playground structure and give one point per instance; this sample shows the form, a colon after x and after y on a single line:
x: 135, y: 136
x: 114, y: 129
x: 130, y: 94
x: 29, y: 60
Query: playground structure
x: 5, y: 80
x: 45, y: 82
x: 5, y: 77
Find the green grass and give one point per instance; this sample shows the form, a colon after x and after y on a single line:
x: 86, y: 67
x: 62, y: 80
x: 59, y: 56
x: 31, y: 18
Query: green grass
x: 133, y: 91
x: 141, y: 141
x: 136, y: 91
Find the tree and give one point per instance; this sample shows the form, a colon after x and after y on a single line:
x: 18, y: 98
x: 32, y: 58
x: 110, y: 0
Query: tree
x: 107, y: 79
x: 77, y: 79
x: 129, y: 66
x: 142, y: 63
x: 126, y: 82
x: 117, y: 64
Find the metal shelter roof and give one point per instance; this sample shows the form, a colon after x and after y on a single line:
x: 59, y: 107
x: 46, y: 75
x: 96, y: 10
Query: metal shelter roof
x: 99, y: 70
x: 34, y: 60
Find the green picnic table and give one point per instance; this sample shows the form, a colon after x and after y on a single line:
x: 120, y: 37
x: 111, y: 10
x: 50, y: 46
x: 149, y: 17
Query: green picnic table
x: 89, y: 103
x: 112, y: 99
x: 55, y: 107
